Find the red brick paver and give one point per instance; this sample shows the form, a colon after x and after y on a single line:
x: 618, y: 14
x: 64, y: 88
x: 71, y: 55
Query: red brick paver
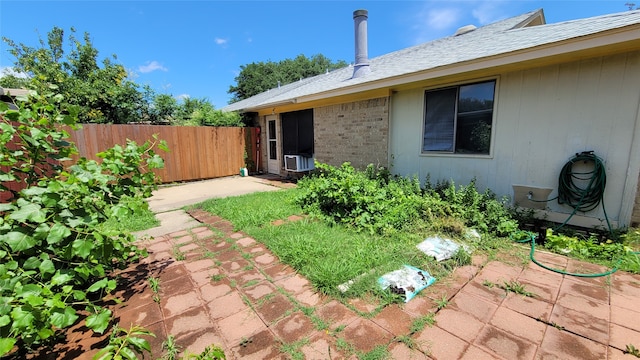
x: 231, y: 291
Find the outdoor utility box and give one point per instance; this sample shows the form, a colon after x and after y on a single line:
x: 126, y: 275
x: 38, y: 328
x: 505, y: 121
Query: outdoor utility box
x: 530, y: 196
x: 298, y: 163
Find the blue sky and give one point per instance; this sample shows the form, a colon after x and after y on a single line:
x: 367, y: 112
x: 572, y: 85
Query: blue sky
x: 196, y: 48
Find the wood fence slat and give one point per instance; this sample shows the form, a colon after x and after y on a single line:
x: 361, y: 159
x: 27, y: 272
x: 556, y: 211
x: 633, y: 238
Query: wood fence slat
x: 195, y: 153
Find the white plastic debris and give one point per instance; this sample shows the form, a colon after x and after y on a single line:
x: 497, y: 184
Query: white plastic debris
x: 439, y: 248
x: 407, y: 281
x: 472, y: 234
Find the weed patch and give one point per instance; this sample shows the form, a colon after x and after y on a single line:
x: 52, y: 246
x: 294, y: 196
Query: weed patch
x: 419, y: 324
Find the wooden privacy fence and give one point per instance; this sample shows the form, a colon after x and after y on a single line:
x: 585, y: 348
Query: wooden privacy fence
x: 195, y: 152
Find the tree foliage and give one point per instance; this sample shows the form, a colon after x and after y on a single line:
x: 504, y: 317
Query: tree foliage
x: 54, y: 258
x: 191, y: 112
x: 258, y: 77
x: 102, y: 92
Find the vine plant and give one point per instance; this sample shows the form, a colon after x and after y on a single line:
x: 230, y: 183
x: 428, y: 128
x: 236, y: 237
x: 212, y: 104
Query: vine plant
x: 54, y: 260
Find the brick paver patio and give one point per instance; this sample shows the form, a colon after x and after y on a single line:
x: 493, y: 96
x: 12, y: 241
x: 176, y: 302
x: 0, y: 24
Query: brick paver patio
x: 221, y: 287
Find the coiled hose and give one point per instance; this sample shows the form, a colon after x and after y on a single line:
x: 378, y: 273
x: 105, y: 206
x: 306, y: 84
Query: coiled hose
x: 584, y: 199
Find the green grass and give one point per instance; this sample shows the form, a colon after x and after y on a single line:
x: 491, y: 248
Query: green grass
x: 327, y: 255
x: 253, y: 209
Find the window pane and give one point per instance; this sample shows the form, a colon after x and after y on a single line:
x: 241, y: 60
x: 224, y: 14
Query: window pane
x: 272, y: 129
x: 439, y: 120
x: 473, y: 133
x: 475, y: 113
x: 476, y: 97
x: 273, y: 152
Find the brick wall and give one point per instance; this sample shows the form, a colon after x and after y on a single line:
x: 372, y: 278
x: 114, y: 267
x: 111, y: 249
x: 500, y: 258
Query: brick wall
x: 356, y: 132
x: 635, y: 216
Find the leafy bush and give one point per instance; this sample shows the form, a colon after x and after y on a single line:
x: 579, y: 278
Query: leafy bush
x: 54, y: 259
x: 608, y: 252
x: 482, y: 211
x: 375, y: 201
x: 589, y: 248
x: 367, y: 200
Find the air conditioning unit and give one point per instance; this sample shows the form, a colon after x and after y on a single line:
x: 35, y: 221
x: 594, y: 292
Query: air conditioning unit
x: 298, y: 163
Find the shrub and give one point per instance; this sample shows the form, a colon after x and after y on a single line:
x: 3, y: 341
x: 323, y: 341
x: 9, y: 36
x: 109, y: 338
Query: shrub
x: 367, y: 200
x: 482, y: 211
x: 375, y: 201
x: 54, y: 259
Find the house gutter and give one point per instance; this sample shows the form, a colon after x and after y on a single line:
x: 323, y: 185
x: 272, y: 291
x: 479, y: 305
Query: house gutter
x: 267, y: 105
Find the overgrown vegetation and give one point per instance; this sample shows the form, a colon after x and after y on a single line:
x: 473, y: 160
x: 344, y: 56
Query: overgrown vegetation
x: 128, y: 344
x: 359, y: 225
x: 55, y: 258
x: 125, y: 344
x: 377, y: 202
x: 618, y: 253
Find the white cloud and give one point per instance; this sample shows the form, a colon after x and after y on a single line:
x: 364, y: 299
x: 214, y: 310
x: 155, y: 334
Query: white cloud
x: 221, y: 41
x: 151, y: 66
x: 487, y: 12
x: 8, y: 70
x: 433, y: 21
x: 440, y: 19
x: 182, y: 96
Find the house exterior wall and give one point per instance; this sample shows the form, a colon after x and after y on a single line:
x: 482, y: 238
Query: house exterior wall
x: 543, y: 117
x: 356, y: 132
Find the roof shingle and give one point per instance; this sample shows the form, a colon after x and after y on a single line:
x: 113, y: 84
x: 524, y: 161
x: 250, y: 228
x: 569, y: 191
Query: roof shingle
x: 502, y: 37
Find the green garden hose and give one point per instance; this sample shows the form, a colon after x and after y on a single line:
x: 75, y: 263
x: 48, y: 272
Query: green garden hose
x: 585, y: 198
x: 531, y: 237
x: 579, y: 198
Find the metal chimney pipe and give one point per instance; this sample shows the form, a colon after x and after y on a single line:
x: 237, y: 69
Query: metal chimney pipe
x: 361, y: 66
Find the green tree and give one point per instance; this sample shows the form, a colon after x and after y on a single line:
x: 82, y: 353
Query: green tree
x: 200, y: 112
x: 103, y: 93
x: 13, y: 81
x: 258, y: 77
x: 55, y: 260
x: 164, y: 108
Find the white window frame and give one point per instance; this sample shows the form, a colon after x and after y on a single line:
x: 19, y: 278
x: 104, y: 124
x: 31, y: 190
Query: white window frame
x: 457, y: 86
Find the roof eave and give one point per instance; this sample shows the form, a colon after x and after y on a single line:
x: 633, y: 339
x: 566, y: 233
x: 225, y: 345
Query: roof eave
x: 618, y: 40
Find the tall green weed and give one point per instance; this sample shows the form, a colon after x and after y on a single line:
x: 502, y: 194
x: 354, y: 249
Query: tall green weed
x: 367, y: 200
x: 375, y: 201
x: 55, y: 257
x: 480, y: 210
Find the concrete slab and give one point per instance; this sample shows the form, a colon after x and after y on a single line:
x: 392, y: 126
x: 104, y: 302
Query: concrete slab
x: 167, y: 202
x: 170, y: 221
x: 172, y: 197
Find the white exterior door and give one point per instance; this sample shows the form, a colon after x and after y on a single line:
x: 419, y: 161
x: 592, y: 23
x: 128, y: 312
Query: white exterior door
x: 273, y: 152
